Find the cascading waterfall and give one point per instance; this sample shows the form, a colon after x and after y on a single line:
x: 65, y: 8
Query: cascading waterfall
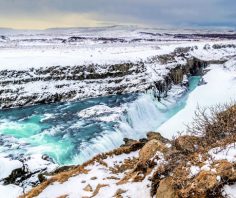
x: 140, y: 116
x: 145, y: 114
x: 72, y: 133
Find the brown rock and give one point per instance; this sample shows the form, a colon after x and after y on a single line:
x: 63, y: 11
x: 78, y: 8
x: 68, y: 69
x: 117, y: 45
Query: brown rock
x: 129, y: 142
x: 63, y: 196
x: 165, y: 189
x: 99, y: 186
x: 206, y: 180
x: 150, y: 149
x: 156, y: 136
x: 187, y: 143
x: 226, y: 169
x: 201, y: 185
x: 88, y: 188
x: 93, y: 178
x: 119, y: 192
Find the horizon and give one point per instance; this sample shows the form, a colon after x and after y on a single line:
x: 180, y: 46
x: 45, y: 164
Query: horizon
x: 210, y: 28
x: 47, y: 14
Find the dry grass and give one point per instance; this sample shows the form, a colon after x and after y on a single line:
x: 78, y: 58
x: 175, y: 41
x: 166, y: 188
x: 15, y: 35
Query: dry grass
x: 212, y: 127
x: 76, y: 170
x: 214, y: 123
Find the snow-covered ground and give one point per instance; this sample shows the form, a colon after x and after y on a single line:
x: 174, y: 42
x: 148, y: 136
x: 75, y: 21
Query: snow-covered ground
x: 68, y: 47
x: 220, y: 88
x: 101, y: 174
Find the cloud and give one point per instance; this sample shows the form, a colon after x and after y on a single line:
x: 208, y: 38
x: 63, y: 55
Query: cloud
x: 94, y: 12
x: 50, y: 21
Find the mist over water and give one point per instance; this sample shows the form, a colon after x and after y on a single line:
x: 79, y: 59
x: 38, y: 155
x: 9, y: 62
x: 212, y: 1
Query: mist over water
x: 71, y: 133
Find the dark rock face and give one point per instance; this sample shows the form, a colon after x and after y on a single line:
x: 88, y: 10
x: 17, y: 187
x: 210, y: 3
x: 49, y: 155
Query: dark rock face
x: 206, y: 36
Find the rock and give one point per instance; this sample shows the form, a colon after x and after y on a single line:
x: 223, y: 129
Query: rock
x: 41, y: 178
x: 128, y: 142
x: 165, y: 189
x: 88, y: 188
x: 119, y: 192
x: 226, y: 169
x: 93, y: 178
x: 149, y: 150
x: 156, y: 136
x: 187, y: 143
x: 63, y: 196
x: 99, y: 186
x: 199, y: 187
x: 16, y: 176
x: 143, y: 140
x: 47, y: 158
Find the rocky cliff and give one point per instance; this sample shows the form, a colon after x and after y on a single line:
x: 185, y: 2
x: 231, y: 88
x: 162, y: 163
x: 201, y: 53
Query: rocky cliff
x: 67, y: 83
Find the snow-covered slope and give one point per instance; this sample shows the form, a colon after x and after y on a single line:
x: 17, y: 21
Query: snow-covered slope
x: 219, y: 87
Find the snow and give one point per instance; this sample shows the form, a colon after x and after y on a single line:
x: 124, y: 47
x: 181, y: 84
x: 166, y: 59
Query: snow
x: 10, y: 191
x: 7, y: 166
x: 228, y: 153
x: 22, y: 50
x: 194, y: 170
x: 36, y: 163
x: 102, y: 113
x: 74, y: 187
x: 21, y: 59
x: 231, y: 65
x: 220, y: 88
x: 230, y: 191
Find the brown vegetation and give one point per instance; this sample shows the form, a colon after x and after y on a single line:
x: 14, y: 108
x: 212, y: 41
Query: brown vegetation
x: 75, y: 170
x: 212, y: 127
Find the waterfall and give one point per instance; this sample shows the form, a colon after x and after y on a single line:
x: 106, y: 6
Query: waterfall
x: 72, y: 133
x: 141, y: 116
x: 144, y: 114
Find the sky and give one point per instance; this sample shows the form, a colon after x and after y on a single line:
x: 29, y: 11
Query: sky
x: 42, y: 14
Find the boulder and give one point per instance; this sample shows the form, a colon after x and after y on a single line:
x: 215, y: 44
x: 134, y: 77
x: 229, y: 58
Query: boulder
x: 128, y: 142
x: 119, y: 192
x: 226, y: 169
x: 149, y: 150
x: 88, y: 188
x: 157, y: 136
x: 204, y: 183
x: 188, y: 144
x: 165, y: 189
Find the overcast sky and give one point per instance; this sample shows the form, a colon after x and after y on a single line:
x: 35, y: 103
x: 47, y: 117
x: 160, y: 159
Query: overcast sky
x: 40, y: 14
